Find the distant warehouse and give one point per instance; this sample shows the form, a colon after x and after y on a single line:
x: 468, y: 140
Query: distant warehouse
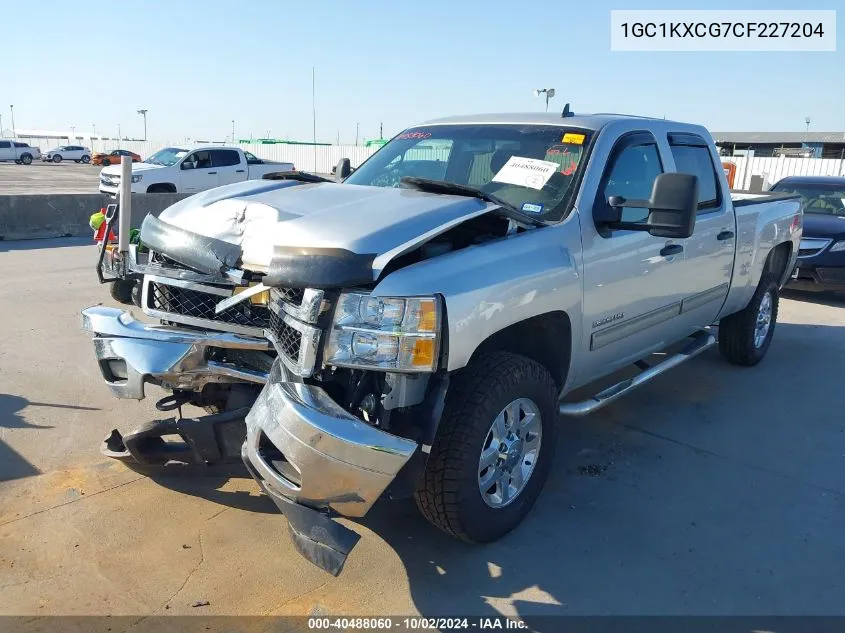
x: 796, y: 144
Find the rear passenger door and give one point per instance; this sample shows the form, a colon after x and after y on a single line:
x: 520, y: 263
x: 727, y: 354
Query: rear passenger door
x: 228, y: 164
x: 7, y: 152
x: 710, y: 249
x: 633, y: 282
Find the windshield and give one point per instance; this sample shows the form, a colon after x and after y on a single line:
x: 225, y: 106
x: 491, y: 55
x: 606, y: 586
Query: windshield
x: 531, y: 167
x: 167, y: 156
x: 818, y: 198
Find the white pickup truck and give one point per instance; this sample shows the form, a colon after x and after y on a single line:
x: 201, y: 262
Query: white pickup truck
x: 19, y: 152
x: 177, y: 170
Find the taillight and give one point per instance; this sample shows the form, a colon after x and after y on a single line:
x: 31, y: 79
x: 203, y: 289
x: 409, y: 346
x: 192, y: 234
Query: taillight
x: 796, y: 222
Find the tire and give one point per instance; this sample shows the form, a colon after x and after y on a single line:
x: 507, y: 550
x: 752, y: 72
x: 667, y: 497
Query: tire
x: 106, y: 162
x: 86, y: 159
x: 121, y: 291
x: 76, y: 161
x: 57, y: 158
x: 160, y: 189
x: 450, y: 494
x: 744, y: 337
x: 26, y: 159
x: 17, y: 162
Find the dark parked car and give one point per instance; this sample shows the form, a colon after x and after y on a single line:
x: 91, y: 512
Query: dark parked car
x: 821, y: 256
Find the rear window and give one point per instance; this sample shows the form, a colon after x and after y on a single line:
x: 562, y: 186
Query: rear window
x: 696, y: 160
x: 21, y: 145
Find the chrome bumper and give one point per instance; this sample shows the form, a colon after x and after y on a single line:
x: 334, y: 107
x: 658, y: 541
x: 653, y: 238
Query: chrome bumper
x: 340, y: 462
x: 131, y: 354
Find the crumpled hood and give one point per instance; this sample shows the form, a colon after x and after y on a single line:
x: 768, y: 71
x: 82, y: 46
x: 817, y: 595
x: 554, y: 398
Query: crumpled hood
x: 260, y: 216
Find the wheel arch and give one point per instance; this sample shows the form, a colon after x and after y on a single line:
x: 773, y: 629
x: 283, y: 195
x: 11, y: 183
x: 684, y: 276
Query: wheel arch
x: 777, y: 262
x: 162, y: 187
x: 545, y: 338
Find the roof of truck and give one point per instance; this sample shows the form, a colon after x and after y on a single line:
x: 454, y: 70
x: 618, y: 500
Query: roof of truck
x: 586, y: 121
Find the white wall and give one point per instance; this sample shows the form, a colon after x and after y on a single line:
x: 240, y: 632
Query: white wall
x: 774, y: 168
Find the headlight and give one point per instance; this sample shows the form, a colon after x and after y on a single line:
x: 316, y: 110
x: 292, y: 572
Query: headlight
x: 385, y: 333
x: 838, y: 246
x: 136, y: 178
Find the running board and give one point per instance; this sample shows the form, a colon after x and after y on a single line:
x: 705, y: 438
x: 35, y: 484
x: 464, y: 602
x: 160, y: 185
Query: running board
x: 700, y: 342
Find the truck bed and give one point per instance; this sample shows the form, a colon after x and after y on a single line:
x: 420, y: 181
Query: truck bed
x: 745, y: 198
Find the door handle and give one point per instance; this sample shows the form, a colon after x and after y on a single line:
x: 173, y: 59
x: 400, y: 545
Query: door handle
x: 725, y: 235
x: 239, y: 171
x: 212, y: 173
x: 671, y: 249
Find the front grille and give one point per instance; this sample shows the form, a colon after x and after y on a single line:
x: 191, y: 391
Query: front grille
x: 291, y: 295
x: 289, y: 340
x: 200, y: 305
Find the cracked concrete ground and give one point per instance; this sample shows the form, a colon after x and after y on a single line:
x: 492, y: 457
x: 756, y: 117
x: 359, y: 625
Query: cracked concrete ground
x: 713, y: 490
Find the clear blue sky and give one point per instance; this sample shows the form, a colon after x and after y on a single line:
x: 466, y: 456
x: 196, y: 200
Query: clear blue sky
x: 198, y: 65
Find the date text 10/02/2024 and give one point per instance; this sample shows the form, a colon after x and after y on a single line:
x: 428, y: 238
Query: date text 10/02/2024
x: 415, y: 623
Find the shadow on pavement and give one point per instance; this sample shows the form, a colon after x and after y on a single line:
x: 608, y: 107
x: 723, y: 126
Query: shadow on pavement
x: 13, y: 465
x: 39, y: 243
x: 832, y: 298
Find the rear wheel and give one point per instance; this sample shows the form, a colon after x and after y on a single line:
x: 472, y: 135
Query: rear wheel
x: 86, y: 159
x: 26, y: 159
x: 57, y: 158
x: 106, y: 162
x: 493, y: 450
x: 744, y: 337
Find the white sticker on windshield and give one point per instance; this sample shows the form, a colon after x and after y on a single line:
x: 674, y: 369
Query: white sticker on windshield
x: 526, y: 172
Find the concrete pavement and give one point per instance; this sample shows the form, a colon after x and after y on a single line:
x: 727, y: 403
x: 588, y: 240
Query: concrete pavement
x: 713, y: 490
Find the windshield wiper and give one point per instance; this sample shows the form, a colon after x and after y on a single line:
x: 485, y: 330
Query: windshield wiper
x: 301, y: 176
x: 441, y: 186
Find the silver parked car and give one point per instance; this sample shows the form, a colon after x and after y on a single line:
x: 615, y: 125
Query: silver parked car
x: 76, y: 153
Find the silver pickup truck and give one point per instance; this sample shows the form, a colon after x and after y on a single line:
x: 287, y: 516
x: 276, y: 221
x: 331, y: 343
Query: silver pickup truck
x: 415, y: 329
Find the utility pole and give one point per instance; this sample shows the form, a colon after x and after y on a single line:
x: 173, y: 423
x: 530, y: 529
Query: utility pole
x: 233, y: 131
x: 14, y: 133
x: 72, y: 133
x: 143, y: 113
x: 380, y: 131
x: 356, y: 134
x: 94, y: 125
x: 314, y: 113
x: 1, y: 125
x: 119, y: 138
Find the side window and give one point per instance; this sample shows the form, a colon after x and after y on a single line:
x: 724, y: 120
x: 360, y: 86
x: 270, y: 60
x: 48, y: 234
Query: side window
x: 19, y: 145
x: 696, y: 160
x: 5, y: 144
x: 224, y: 158
x: 202, y: 160
x: 252, y: 159
x: 632, y: 176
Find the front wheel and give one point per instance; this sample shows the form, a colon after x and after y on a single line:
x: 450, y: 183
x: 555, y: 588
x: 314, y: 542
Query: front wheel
x: 57, y: 159
x: 106, y: 162
x: 121, y: 290
x: 745, y: 336
x: 26, y: 159
x: 493, y: 450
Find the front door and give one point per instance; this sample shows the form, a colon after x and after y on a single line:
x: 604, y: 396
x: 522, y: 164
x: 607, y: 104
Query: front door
x: 633, y: 283
x: 197, y: 172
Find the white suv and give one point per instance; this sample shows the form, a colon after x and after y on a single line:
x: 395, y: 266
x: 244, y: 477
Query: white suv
x: 75, y: 153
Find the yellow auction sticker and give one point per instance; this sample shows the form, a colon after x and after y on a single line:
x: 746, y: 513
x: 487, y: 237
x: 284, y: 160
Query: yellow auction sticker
x: 572, y: 138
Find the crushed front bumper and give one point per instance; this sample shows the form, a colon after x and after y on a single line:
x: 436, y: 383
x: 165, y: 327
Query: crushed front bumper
x: 314, y: 459
x: 131, y: 354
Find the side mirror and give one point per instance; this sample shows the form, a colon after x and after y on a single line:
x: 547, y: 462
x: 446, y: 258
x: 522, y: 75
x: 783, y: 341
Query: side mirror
x: 672, y: 207
x: 343, y: 169
x: 188, y: 165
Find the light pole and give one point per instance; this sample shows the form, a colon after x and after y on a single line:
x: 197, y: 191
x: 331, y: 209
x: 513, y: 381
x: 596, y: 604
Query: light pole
x: 233, y: 131
x: 143, y: 113
x: 12, y: 109
x: 356, y: 134
x: 550, y: 92
x: 1, y: 126
x: 807, y: 121
x: 94, y: 126
x: 72, y: 133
